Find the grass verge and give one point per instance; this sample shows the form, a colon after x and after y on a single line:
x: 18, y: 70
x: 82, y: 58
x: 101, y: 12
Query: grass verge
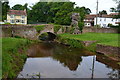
x: 13, y: 56
x: 101, y: 38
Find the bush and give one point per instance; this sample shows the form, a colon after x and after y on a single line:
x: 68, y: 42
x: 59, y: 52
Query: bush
x: 72, y: 42
x: 113, y: 26
x: 7, y: 23
x: 56, y: 28
x: 98, y: 26
x: 43, y: 36
x: 39, y: 28
x: 80, y: 25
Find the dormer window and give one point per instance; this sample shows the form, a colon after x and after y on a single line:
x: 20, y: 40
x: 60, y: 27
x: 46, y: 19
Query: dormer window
x: 23, y: 16
x: 12, y: 16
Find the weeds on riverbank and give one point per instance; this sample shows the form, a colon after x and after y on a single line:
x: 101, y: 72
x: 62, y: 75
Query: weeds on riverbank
x: 71, y: 42
x: 13, y: 56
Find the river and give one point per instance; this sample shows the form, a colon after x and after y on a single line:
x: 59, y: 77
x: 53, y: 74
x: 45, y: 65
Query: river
x: 52, y: 60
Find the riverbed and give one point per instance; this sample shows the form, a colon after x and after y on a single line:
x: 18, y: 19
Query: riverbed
x: 53, y: 60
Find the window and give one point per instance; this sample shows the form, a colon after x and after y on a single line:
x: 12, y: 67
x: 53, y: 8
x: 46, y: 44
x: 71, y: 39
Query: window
x: 104, y: 25
x: 112, y: 20
x: 11, y: 16
x: 17, y: 21
x: 23, y: 21
x: 12, y: 21
x: 22, y: 16
x: 100, y: 19
x: 105, y: 19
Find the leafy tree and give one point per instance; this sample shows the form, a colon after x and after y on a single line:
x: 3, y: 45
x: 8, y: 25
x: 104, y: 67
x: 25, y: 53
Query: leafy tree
x: 5, y: 8
x: 117, y: 9
x: 102, y: 12
x: 82, y: 11
x: 39, y: 12
x: 18, y: 7
x: 63, y: 15
x: 113, y: 9
x: 54, y: 8
x: 80, y: 25
x: 54, y: 12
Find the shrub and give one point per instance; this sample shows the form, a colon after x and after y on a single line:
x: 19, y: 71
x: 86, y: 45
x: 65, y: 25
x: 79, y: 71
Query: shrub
x: 72, y: 42
x: 43, y: 36
x: 80, y: 25
x: 39, y: 28
x: 98, y: 26
x: 56, y: 28
x: 7, y: 23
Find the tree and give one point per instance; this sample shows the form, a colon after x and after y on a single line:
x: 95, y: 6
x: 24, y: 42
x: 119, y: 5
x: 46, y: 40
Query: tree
x: 55, y: 12
x: 82, y: 11
x: 103, y: 12
x: 117, y: 9
x: 63, y: 15
x: 5, y: 8
x: 18, y: 7
x: 80, y: 25
x: 54, y: 8
x: 39, y: 12
x: 113, y: 9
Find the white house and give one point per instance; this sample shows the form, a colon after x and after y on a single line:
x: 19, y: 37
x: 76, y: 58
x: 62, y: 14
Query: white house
x: 89, y: 20
x: 102, y: 20
x: 17, y: 17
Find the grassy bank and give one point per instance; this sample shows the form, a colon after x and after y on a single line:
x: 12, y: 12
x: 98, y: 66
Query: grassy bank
x: 101, y: 38
x: 13, y: 56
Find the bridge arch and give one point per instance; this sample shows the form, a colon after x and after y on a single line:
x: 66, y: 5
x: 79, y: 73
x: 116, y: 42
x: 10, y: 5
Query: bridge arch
x: 47, y: 36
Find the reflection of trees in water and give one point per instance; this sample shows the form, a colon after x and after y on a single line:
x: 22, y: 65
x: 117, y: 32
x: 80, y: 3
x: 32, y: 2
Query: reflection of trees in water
x: 69, y: 58
x: 40, y: 50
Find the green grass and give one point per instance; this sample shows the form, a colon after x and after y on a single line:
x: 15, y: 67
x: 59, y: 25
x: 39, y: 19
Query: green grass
x: 12, y: 59
x: 101, y: 38
x: 39, y: 28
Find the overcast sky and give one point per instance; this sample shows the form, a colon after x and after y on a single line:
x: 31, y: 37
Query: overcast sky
x: 103, y: 4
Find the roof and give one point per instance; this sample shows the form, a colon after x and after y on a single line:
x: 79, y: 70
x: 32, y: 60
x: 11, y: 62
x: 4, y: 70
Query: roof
x: 114, y: 14
x: 92, y: 16
x: 17, y: 12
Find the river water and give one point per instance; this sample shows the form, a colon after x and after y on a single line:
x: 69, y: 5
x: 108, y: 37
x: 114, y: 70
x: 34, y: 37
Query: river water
x: 52, y: 60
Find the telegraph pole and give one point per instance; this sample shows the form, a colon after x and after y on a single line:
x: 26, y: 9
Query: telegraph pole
x: 96, y: 15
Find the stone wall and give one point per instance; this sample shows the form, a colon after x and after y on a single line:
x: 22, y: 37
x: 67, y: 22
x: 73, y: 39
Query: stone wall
x: 48, y: 28
x: 99, y: 30
x: 108, y: 50
x: 25, y: 31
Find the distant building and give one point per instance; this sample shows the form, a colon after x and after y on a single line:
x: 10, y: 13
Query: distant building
x: 89, y: 20
x: 102, y: 20
x: 17, y: 17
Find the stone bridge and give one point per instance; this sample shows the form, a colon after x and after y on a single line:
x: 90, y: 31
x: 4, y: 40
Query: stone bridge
x: 25, y: 31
